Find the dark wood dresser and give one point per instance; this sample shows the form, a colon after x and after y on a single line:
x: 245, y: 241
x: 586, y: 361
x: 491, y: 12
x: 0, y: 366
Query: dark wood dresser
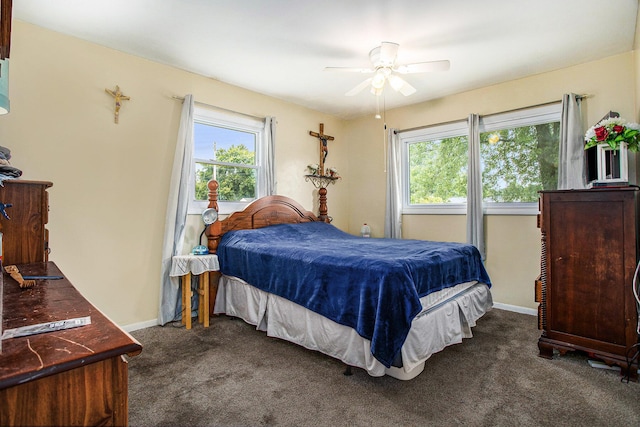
x: 24, y: 236
x: 589, y: 256
x: 68, y: 377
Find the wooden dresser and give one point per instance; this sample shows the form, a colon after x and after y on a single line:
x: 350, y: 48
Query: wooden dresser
x: 589, y: 256
x: 67, y: 377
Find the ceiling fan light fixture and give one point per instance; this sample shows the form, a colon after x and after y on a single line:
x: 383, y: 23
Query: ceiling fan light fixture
x: 383, y: 58
x: 378, y: 80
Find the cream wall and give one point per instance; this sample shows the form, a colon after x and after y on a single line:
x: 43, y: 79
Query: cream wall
x: 110, y: 182
x: 512, y: 242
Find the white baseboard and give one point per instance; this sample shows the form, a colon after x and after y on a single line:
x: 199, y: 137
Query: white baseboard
x: 140, y: 325
x: 516, y: 308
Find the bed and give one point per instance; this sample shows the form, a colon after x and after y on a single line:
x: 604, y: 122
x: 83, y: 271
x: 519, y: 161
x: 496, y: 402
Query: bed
x: 383, y: 305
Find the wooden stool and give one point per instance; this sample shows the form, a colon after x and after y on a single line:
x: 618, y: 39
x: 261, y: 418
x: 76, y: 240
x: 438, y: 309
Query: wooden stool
x: 203, y: 299
x: 184, y: 267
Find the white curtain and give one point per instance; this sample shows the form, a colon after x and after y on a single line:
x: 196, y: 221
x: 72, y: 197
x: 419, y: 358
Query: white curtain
x: 176, y: 214
x: 475, y: 219
x: 393, y: 208
x: 571, y: 156
x: 268, y: 158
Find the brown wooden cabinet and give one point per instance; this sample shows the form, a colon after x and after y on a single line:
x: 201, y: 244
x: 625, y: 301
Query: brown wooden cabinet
x: 589, y: 256
x: 72, y: 377
x: 24, y: 236
x: 61, y: 377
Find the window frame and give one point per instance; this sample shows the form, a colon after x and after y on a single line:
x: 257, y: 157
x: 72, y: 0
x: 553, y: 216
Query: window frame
x: 546, y: 113
x: 447, y: 130
x: 233, y: 121
x: 523, y: 117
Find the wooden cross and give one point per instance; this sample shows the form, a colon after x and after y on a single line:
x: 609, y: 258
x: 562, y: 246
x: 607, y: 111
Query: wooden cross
x: 118, y: 98
x: 324, y: 150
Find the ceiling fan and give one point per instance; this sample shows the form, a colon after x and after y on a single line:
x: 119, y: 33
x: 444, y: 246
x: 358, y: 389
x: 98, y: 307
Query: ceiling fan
x: 385, y: 69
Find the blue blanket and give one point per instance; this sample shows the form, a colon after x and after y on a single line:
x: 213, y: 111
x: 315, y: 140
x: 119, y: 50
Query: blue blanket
x: 370, y: 285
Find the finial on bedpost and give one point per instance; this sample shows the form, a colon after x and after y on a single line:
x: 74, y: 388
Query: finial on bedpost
x: 213, y: 232
x: 213, y: 185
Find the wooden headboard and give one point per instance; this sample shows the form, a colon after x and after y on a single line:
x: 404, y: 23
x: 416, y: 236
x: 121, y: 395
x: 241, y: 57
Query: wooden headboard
x: 269, y: 210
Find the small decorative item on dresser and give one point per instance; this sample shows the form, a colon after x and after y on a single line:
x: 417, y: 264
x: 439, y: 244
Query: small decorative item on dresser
x: 13, y: 271
x: 606, y: 144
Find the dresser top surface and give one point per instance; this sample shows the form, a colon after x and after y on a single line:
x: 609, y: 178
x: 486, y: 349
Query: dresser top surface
x: 30, y: 357
x: 19, y: 181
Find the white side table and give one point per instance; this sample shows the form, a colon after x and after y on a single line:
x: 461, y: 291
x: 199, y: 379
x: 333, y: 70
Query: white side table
x: 184, y: 266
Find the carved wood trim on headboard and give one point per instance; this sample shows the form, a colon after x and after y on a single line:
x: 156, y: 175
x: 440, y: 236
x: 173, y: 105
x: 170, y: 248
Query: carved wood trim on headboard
x: 269, y: 210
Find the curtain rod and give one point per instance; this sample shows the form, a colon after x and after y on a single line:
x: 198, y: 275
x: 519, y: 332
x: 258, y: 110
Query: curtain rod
x: 181, y: 98
x: 537, y: 105
x: 492, y: 114
x: 428, y: 126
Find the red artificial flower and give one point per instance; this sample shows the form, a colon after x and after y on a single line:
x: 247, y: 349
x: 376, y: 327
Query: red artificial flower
x: 618, y: 129
x: 601, y: 133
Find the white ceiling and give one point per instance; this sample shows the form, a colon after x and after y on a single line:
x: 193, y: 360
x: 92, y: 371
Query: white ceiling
x: 280, y: 48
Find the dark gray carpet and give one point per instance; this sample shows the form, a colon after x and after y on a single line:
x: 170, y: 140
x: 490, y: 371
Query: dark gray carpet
x: 232, y: 375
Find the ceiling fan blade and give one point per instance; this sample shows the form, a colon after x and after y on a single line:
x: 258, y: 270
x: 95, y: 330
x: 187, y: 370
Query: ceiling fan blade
x: 356, y: 90
x: 399, y: 84
x: 350, y: 69
x: 423, y: 67
x: 407, y: 89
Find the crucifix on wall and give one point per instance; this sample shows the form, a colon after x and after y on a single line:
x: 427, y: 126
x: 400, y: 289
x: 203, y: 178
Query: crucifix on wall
x: 118, y: 97
x: 324, y: 149
x: 321, y: 178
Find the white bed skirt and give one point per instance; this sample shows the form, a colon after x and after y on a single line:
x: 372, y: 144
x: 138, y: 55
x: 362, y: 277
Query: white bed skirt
x: 447, y: 317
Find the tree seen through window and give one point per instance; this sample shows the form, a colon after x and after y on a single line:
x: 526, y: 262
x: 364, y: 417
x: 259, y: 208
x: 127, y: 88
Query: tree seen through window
x: 229, y: 156
x: 516, y: 164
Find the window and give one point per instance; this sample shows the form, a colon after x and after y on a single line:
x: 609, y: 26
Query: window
x: 518, y: 156
x: 227, y: 148
x: 436, y: 168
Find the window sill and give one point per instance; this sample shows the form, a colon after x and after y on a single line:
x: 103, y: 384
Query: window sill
x: 224, y: 208
x: 461, y: 209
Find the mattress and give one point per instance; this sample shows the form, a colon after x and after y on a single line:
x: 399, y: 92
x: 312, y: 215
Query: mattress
x: 447, y: 317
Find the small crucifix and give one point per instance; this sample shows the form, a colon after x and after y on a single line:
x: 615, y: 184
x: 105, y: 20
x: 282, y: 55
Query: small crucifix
x: 324, y: 150
x: 118, y: 98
